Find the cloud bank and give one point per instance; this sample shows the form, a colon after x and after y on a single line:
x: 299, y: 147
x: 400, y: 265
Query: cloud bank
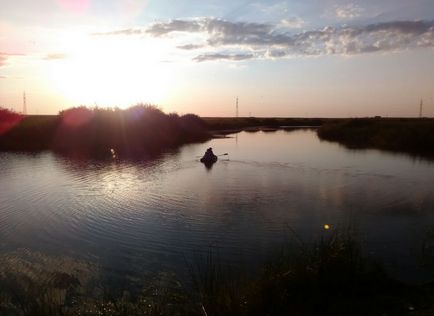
x: 55, y: 56
x: 3, y: 59
x: 246, y: 40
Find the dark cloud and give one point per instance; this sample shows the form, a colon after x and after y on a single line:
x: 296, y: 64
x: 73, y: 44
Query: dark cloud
x: 190, y: 46
x: 159, y: 29
x: 387, y: 36
x: 55, y: 56
x: 218, y: 56
x: 271, y: 41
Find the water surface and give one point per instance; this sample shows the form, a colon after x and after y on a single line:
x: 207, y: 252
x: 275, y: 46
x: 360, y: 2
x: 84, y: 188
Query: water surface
x: 135, y: 218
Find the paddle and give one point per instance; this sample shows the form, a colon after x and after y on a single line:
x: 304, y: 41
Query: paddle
x: 225, y: 154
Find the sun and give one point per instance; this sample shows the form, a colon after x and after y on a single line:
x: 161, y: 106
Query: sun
x: 113, y: 71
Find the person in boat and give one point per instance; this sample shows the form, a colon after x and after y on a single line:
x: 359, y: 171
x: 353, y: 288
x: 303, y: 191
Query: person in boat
x: 209, y: 156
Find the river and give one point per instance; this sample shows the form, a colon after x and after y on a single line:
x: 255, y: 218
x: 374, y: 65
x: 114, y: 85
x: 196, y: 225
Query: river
x: 129, y: 219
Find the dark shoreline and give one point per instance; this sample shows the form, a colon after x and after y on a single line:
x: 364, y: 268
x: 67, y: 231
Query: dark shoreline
x: 410, y: 136
x: 150, y: 132
x: 140, y: 131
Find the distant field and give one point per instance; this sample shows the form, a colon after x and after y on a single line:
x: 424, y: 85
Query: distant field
x: 229, y: 123
x: 407, y: 135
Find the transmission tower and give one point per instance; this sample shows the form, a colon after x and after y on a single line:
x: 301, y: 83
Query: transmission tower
x: 420, y: 108
x: 236, y: 108
x: 24, y: 104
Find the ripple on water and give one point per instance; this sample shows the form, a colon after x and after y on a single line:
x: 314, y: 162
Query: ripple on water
x: 157, y: 212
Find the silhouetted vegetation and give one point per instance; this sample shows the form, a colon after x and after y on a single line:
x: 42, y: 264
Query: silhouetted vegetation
x: 139, y: 130
x: 329, y: 277
x: 415, y: 136
x: 232, y: 123
x: 332, y: 276
x: 8, y: 120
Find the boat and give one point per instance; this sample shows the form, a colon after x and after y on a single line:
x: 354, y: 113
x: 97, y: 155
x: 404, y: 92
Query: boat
x: 209, y: 160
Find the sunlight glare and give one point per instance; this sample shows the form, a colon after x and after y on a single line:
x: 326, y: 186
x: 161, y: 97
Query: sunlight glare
x: 112, y: 71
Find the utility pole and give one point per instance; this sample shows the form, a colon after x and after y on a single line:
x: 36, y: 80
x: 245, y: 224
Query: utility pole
x: 420, y: 108
x: 236, y: 108
x: 24, y: 103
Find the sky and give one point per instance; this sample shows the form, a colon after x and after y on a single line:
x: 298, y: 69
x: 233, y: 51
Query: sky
x: 295, y: 58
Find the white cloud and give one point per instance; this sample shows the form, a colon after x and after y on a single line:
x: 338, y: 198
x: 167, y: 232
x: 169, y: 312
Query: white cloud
x: 293, y: 22
x: 349, y: 11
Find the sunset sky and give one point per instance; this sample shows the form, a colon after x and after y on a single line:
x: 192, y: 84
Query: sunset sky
x: 281, y: 58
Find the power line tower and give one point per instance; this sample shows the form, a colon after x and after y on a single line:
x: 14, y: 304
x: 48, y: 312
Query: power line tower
x: 420, y: 108
x: 236, y: 108
x: 24, y: 104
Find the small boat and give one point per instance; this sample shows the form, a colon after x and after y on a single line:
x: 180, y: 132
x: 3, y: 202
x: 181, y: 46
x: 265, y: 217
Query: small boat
x: 209, y: 160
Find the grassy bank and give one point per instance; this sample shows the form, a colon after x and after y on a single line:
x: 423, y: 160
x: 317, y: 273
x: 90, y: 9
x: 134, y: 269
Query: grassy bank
x: 145, y: 130
x: 233, y: 123
x: 413, y: 136
x: 140, y: 130
x: 332, y: 276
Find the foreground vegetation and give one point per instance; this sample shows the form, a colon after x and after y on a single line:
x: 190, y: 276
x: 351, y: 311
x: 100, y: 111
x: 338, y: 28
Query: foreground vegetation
x: 140, y: 130
x: 413, y: 136
x: 332, y: 276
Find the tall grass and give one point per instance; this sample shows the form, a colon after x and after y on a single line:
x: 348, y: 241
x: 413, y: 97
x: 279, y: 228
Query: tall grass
x: 329, y: 277
x: 332, y: 276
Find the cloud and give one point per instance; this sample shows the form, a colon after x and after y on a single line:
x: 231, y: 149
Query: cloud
x: 349, y: 11
x: 262, y: 40
x: 293, y: 22
x: 162, y: 28
x: 55, y: 56
x: 3, y: 59
x: 216, y: 28
x: 190, y: 46
x: 218, y: 56
x: 135, y: 31
x: 5, y: 56
x: 3, y: 77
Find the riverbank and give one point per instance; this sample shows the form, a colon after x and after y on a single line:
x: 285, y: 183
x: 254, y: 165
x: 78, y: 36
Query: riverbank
x: 144, y: 131
x: 236, y: 124
x: 141, y: 130
x: 411, y: 136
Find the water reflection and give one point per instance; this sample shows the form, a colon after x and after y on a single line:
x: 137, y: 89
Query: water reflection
x: 132, y: 217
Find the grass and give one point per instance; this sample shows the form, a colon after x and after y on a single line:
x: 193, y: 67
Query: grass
x: 331, y: 276
x: 413, y: 136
